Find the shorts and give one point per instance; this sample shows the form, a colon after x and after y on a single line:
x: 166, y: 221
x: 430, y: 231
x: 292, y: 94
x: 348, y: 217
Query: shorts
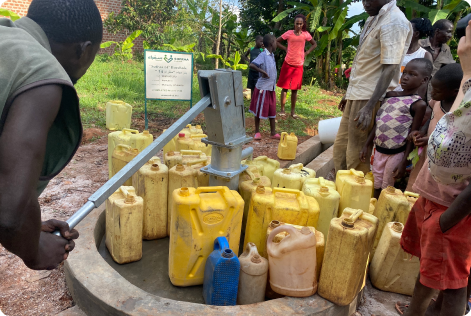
x: 263, y: 104
x: 383, y: 167
x: 445, y: 258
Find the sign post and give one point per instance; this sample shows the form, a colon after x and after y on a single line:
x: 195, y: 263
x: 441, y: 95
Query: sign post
x: 167, y: 76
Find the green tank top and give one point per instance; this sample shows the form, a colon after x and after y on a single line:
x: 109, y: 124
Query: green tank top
x: 26, y: 62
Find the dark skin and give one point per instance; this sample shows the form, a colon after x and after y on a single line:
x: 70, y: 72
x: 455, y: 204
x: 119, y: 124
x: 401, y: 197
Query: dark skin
x: 411, y: 80
x: 24, y: 135
x: 439, y: 38
x: 452, y: 302
x: 414, y: 46
x: 271, y: 48
x: 364, y: 116
x: 258, y: 45
x: 298, y: 29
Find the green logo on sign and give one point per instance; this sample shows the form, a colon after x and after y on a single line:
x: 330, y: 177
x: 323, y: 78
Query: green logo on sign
x: 168, y: 59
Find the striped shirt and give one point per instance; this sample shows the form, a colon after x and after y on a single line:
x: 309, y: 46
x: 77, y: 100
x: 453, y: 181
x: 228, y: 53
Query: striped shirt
x: 266, y: 62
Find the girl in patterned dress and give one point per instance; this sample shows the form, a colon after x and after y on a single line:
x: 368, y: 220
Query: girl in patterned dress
x: 401, y: 113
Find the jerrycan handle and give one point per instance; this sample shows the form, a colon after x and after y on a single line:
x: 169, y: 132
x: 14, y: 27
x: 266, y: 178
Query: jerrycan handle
x: 123, y: 146
x: 198, y: 136
x: 284, y: 139
x: 284, y: 190
x: 132, y: 131
x: 357, y: 173
x: 186, y: 152
x: 195, y: 162
x: 350, y: 221
x: 280, y: 229
x: 261, y: 158
x: 251, y: 250
x: 221, y: 243
x: 322, y: 182
x: 411, y: 194
x: 219, y: 189
x: 298, y: 167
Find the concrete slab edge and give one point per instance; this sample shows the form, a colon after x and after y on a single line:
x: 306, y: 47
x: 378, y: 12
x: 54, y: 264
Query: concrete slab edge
x: 324, y: 163
x: 305, y: 152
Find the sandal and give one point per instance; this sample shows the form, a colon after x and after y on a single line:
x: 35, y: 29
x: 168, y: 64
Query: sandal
x: 294, y: 116
x: 282, y: 114
x: 401, y: 309
x: 276, y: 136
x: 257, y: 136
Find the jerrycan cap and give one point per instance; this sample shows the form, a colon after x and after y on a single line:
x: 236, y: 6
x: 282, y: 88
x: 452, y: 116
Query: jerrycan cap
x: 256, y: 180
x: 181, y: 135
x: 145, y: 132
x: 260, y: 189
x: 360, y: 179
x: 286, y: 171
x: 227, y: 253
x: 305, y: 230
x: 171, y: 153
x: 155, y: 167
x: 390, y: 189
x: 198, y: 126
x: 256, y: 259
x: 274, y: 224
x: 397, y: 227
x: 184, y: 192
x: 130, y: 199
x: 349, y: 222
x: 180, y: 167
x: 324, y: 189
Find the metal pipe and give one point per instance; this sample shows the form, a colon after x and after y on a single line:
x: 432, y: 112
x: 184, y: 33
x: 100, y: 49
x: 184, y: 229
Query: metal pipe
x: 247, y: 153
x: 119, y: 178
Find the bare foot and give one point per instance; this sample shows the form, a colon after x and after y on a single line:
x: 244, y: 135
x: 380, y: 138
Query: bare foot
x: 401, y: 307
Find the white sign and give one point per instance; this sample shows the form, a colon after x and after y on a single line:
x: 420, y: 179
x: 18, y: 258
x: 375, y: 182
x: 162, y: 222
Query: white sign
x: 168, y: 75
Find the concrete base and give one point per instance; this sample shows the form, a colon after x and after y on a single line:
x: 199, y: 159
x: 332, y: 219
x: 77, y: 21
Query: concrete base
x: 306, y: 152
x: 99, y: 289
x: 324, y: 163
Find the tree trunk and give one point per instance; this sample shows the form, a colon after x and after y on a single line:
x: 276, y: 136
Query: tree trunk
x: 327, y: 63
x: 280, y: 9
x: 219, y: 33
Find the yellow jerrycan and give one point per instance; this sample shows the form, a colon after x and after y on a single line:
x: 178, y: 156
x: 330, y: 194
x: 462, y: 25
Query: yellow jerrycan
x: 179, y: 176
x: 369, y: 176
x: 141, y: 140
x: 194, y: 156
x: 328, y: 198
x: 173, y: 158
x: 118, y: 115
x: 392, y: 205
x: 320, y: 241
x: 124, y: 211
x: 251, y: 172
x: 269, y: 166
x: 292, y: 177
x: 253, y: 276
x: 199, y: 217
x: 203, y: 178
x: 284, y: 205
x: 246, y: 188
x: 373, y: 202
x: 121, y: 156
x: 392, y: 269
x: 151, y: 183
x: 347, y: 248
x: 118, y: 138
x: 291, y: 262
x: 184, y: 142
x: 412, y: 198
x: 287, y: 146
x: 354, y: 190
x: 199, y: 145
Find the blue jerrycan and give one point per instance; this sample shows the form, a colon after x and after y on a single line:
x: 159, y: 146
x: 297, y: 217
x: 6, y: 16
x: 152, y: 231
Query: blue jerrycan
x: 221, y: 275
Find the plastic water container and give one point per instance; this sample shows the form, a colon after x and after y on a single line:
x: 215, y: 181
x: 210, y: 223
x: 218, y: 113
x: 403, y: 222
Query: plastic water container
x: 184, y: 142
x: 253, y: 276
x: 292, y: 177
x: 121, y: 156
x: 173, y: 158
x: 392, y: 205
x: 269, y: 166
x: 246, y: 188
x: 392, y: 269
x: 373, y: 202
x: 221, y: 275
x: 118, y: 115
x: 151, y: 183
x: 118, y: 138
x: 320, y: 241
x: 141, y: 140
x: 347, y: 248
x: 284, y: 205
x: 124, y: 212
x: 187, y: 131
x: 250, y: 173
x: 354, y: 189
x: 411, y: 197
x: 328, y: 130
x: 328, y: 198
x: 287, y: 146
x: 199, y: 217
x: 369, y: 176
x: 292, y: 262
x: 179, y: 176
x: 199, y: 145
x: 203, y: 178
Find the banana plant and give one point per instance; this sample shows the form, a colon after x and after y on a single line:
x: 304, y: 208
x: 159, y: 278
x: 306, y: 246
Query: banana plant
x: 10, y: 14
x: 123, y: 50
x: 185, y: 48
x: 433, y: 14
x: 235, y: 61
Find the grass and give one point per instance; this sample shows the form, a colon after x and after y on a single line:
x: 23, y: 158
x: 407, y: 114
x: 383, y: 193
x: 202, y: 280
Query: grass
x: 116, y: 80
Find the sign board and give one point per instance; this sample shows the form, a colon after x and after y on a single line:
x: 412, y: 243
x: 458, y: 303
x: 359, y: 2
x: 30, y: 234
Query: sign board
x: 168, y: 75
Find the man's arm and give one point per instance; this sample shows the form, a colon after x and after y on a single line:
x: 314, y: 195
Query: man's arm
x: 22, y: 150
x: 363, y: 117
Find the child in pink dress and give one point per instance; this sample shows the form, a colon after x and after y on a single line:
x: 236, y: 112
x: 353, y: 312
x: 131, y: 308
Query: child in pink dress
x: 401, y: 112
x: 263, y: 103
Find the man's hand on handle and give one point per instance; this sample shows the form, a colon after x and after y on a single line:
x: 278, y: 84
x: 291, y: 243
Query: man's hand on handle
x: 53, y: 249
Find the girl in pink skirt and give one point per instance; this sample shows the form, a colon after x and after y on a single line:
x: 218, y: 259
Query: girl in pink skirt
x: 263, y: 103
x: 291, y: 75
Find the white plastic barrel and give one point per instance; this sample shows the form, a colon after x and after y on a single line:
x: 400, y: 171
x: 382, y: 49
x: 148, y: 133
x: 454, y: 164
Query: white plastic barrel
x: 328, y: 130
